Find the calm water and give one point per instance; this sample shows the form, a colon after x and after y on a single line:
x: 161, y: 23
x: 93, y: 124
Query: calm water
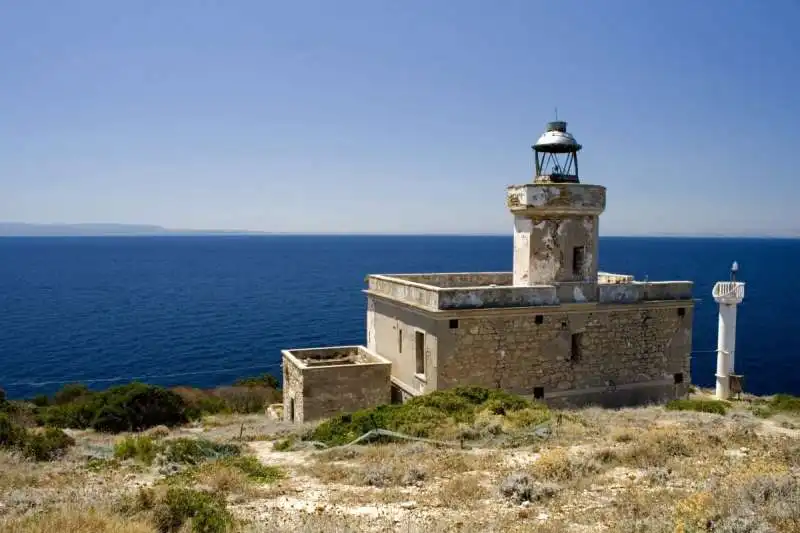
x: 205, y: 310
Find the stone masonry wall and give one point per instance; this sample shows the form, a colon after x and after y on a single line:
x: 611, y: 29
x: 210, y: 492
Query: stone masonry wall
x: 626, y: 346
x: 292, y: 388
x: 328, y: 391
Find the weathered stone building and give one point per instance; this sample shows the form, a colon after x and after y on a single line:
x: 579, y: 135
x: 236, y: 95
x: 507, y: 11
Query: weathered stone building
x: 553, y: 329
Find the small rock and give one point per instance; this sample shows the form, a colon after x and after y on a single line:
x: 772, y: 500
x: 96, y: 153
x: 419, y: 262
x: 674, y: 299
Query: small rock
x: 525, y: 504
x: 408, y: 505
x: 543, y: 516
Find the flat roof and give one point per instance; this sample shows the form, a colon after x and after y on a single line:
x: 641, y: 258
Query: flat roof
x: 493, y: 290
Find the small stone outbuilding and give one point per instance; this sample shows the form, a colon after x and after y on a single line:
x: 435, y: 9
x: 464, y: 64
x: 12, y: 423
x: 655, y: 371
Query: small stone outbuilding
x: 321, y: 382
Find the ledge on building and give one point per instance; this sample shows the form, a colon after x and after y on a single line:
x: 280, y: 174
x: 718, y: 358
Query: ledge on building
x: 438, y: 292
x: 333, y: 356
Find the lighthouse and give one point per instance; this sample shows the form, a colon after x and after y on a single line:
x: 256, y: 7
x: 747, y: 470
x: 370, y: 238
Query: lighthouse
x: 728, y: 294
x: 556, y: 218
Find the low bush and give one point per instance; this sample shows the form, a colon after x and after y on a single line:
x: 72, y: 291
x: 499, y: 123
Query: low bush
x: 254, y: 469
x: 137, y: 406
x: 521, y: 488
x: 37, y: 445
x: 247, y: 399
x: 47, y: 445
x: 182, y: 509
x: 780, y: 403
x: 11, y: 433
x: 141, y: 448
x: 701, y: 406
x: 132, y: 407
x: 284, y: 445
x: 195, y: 451
x: 200, y: 402
x: 71, y: 392
x: 264, y: 380
x: 422, y: 416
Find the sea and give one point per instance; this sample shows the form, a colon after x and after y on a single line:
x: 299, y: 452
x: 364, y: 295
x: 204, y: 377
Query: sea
x: 205, y: 310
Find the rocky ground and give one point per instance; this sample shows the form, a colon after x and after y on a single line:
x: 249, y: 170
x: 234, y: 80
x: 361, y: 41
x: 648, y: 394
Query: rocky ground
x: 630, y: 470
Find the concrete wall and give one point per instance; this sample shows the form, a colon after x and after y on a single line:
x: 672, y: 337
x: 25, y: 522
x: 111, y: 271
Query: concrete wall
x: 638, y: 348
x: 385, y: 322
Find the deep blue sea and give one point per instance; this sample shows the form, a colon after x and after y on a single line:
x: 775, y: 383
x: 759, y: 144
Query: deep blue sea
x: 204, y: 311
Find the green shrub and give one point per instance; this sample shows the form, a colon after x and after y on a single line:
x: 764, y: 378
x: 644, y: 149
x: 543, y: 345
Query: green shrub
x: 421, y: 416
x: 264, y: 380
x: 47, y: 445
x: 40, y: 400
x: 701, y: 406
x: 141, y: 448
x: 2, y: 398
x: 250, y: 399
x: 780, y: 403
x: 78, y: 414
x: 11, y: 433
x: 196, y: 451
x: 254, y: 469
x: 132, y: 407
x: 21, y: 413
x: 284, y: 445
x: 71, y: 392
x: 136, y: 407
x: 179, y: 505
x: 784, y: 403
x: 200, y: 402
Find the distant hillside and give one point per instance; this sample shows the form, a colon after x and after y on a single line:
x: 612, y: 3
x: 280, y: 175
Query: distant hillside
x: 20, y: 229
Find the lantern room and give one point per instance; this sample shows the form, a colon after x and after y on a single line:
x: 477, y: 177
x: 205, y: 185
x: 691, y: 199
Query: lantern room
x: 556, y: 155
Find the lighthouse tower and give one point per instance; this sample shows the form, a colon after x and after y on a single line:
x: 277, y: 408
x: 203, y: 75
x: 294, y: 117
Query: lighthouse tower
x: 728, y: 294
x: 555, y: 217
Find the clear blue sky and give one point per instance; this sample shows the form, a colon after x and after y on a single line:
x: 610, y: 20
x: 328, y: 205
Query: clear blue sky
x: 379, y: 116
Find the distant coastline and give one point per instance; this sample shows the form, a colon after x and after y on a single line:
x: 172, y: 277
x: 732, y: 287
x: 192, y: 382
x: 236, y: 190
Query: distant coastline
x: 24, y: 229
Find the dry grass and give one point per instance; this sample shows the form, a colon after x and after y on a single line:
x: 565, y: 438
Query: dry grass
x: 224, y: 479
x: 76, y: 519
x: 461, y: 492
x: 625, y: 471
x: 394, y: 465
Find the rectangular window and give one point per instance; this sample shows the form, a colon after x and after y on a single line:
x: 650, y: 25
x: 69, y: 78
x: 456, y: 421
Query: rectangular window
x: 538, y: 393
x: 578, y: 258
x: 677, y: 378
x: 453, y: 323
x: 575, y: 350
x: 399, y: 340
x: 420, y: 345
x: 681, y: 311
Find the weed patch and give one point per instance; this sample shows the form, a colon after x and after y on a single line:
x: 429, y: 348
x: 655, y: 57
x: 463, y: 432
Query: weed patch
x: 195, y: 451
x: 427, y: 416
x: 254, y: 469
x: 140, y: 447
x: 701, y: 406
